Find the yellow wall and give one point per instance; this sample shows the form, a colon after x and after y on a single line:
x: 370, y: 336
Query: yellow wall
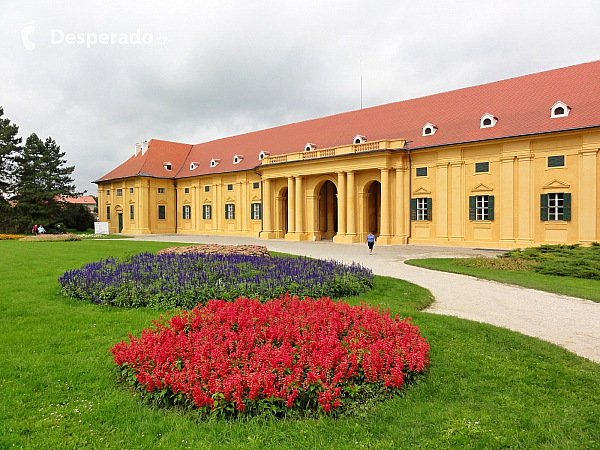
x: 305, y: 195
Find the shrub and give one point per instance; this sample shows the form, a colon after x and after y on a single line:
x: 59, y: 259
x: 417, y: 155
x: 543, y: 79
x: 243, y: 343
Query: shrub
x: 500, y: 263
x: 229, y: 358
x: 7, y: 237
x: 183, y: 280
x: 218, y: 249
x: 51, y: 238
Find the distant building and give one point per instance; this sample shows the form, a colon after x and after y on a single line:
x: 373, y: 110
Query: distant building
x: 507, y: 164
x: 86, y: 200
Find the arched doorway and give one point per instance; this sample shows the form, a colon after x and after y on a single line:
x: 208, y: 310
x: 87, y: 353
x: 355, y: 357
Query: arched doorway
x: 328, y: 210
x: 282, y: 216
x: 373, y: 206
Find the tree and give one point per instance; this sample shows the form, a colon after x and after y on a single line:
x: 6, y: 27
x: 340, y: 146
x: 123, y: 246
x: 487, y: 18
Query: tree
x: 77, y: 216
x: 9, y: 144
x: 41, y: 178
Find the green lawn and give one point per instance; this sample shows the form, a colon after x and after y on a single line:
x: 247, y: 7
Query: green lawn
x: 575, y: 287
x: 487, y: 387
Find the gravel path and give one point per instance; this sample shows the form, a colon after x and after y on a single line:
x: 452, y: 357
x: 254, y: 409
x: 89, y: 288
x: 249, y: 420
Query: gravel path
x: 570, y: 322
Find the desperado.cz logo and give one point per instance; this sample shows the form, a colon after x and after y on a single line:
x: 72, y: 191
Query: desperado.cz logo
x: 58, y: 36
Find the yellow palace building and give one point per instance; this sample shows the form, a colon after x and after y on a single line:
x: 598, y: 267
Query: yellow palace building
x: 507, y: 164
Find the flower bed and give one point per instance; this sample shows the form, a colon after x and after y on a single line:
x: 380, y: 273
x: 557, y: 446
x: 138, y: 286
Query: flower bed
x: 51, y: 238
x: 8, y: 237
x: 218, y: 249
x: 499, y: 263
x: 246, y: 357
x: 183, y: 280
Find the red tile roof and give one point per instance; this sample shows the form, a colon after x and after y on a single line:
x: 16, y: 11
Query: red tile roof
x: 83, y: 200
x: 521, y: 105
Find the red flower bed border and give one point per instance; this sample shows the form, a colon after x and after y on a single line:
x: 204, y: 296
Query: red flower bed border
x: 287, y: 352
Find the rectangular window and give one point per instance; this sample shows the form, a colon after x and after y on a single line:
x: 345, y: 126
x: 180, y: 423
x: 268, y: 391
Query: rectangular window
x: 230, y: 187
x: 119, y: 192
x: 206, y: 188
x: 206, y: 212
x: 161, y: 212
x: 555, y: 206
x: 256, y: 211
x: 482, y: 167
x: 421, y: 171
x: 131, y: 190
x: 186, y: 190
x: 481, y: 207
x: 161, y: 190
x: 131, y: 211
x: 420, y: 208
x: 187, y: 212
x: 556, y: 161
x: 255, y: 185
x: 108, y: 213
x: 229, y: 211
x: 108, y: 192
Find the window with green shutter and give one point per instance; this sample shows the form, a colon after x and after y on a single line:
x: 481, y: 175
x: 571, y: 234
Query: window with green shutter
x: 131, y: 211
x: 162, y: 212
x: 206, y: 212
x: 187, y: 212
x: 555, y: 206
x: 421, y: 208
x: 256, y: 211
x: 229, y: 211
x: 108, y: 213
x: 481, y: 207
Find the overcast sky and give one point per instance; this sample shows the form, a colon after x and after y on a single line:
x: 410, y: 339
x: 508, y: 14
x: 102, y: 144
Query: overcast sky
x: 99, y: 76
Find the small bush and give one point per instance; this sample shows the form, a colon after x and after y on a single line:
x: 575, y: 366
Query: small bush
x: 218, y: 249
x: 244, y: 357
x: 500, y: 263
x: 51, y: 238
x: 7, y: 237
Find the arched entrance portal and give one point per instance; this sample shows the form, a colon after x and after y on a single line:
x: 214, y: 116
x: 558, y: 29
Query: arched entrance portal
x: 373, y: 204
x: 328, y: 210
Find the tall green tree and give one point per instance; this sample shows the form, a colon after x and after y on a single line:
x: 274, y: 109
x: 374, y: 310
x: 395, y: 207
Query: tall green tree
x: 41, y: 177
x: 9, y: 144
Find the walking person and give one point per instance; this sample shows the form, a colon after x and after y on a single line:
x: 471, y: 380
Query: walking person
x: 370, y: 242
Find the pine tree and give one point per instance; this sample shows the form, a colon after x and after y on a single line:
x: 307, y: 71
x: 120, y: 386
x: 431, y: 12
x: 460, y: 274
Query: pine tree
x: 9, y: 144
x: 41, y: 179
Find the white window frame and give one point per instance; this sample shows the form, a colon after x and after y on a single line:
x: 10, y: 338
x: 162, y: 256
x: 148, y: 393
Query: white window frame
x: 207, y: 212
x: 422, y: 208
x: 255, y: 211
x: 229, y: 211
x: 556, y: 206
x: 482, y: 209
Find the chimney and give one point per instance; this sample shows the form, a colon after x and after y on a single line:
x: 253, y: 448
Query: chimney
x: 144, y: 147
x: 138, y: 148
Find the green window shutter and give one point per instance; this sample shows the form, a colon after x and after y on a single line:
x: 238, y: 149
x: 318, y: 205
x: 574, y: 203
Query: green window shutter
x: 226, y: 213
x: 566, y: 206
x: 204, y: 213
x: 429, y: 203
x: 544, y: 207
x: 252, y: 211
x: 490, y: 207
x: 472, y: 207
x: 232, y: 211
x: 259, y: 211
x: 413, y: 209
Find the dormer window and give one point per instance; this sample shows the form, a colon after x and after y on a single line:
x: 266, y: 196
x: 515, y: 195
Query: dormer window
x: 167, y: 165
x: 214, y: 162
x: 194, y: 165
x: 487, y: 121
x: 359, y: 139
x: 237, y: 159
x: 309, y: 147
x: 559, y: 109
x: 262, y: 155
x: 429, y: 129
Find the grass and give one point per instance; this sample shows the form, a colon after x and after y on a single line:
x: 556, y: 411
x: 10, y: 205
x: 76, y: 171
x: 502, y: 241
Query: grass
x: 576, y: 287
x: 487, y: 387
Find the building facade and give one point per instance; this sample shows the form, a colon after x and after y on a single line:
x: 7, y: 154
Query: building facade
x: 507, y: 164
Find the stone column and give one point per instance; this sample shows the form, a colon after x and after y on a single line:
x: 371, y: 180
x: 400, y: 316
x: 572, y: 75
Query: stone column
x: 267, y: 207
x: 341, y: 197
x: 291, y: 206
x: 507, y: 229
x: 440, y: 206
x: 351, y: 196
x: 384, y: 231
x: 588, y: 199
x: 458, y: 205
x: 300, y: 219
x: 400, y: 209
x: 525, y: 233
